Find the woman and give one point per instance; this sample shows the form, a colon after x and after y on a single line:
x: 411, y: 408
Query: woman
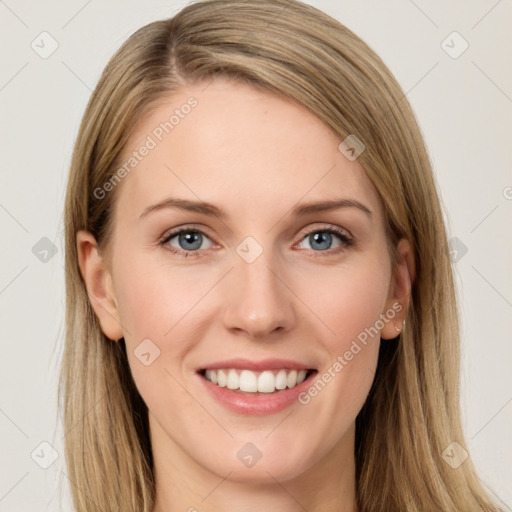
x: 260, y: 302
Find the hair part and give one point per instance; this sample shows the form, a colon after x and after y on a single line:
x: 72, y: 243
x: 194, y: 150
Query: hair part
x: 293, y: 50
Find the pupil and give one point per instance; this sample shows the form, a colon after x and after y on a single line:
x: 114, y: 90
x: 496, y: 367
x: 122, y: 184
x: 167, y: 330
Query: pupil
x: 191, y: 238
x: 318, y: 237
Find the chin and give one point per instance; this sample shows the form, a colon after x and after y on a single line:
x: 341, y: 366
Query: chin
x: 270, y: 467
x: 260, y: 473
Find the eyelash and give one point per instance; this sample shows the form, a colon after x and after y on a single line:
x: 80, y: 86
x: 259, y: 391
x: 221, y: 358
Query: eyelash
x: 346, y: 240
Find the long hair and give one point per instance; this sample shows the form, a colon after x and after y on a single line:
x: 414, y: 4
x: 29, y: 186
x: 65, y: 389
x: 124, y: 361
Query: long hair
x: 412, y: 413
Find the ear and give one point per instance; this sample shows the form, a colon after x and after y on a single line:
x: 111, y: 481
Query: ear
x: 98, y: 282
x: 400, y: 288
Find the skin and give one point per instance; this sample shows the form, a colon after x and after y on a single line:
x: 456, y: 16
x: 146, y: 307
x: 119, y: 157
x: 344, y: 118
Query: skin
x: 255, y: 155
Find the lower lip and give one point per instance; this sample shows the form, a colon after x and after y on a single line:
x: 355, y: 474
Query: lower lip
x: 256, y: 404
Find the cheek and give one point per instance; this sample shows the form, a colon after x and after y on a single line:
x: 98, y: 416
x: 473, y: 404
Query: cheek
x: 155, y: 303
x: 161, y: 312
x: 348, y: 300
x: 154, y: 297
x: 351, y: 308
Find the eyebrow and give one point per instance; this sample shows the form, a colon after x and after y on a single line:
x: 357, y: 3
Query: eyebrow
x: 206, y: 208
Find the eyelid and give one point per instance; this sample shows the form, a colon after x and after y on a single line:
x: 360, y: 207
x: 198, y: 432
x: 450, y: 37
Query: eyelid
x: 325, y: 226
x: 188, y: 227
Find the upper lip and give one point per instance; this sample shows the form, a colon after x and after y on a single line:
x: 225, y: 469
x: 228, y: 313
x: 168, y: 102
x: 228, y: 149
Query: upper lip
x: 263, y: 364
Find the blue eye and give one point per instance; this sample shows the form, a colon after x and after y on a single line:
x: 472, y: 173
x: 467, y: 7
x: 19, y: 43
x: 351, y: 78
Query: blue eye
x: 322, y: 239
x: 190, y: 241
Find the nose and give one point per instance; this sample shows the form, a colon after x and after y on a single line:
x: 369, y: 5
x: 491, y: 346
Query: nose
x: 258, y: 299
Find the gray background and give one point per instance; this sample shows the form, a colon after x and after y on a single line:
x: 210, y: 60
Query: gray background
x: 463, y: 104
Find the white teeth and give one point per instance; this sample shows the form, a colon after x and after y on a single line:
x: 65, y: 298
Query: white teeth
x: 233, y: 380
x: 222, y: 378
x: 211, y: 376
x: 292, y: 378
x: 264, y: 382
x: 301, y: 376
x: 248, y: 381
x: 281, y: 379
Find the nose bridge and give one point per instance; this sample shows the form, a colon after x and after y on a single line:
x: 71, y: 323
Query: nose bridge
x: 259, y: 302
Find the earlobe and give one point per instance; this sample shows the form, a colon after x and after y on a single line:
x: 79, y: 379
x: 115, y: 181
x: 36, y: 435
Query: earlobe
x: 98, y: 282
x: 400, y: 288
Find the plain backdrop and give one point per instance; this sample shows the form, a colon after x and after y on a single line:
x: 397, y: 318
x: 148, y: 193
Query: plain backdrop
x: 463, y: 101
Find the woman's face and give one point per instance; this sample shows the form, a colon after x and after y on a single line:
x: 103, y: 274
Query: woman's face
x: 256, y: 283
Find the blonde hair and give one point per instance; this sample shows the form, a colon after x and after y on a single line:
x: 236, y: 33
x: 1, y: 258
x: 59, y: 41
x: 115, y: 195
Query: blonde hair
x: 294, y: 50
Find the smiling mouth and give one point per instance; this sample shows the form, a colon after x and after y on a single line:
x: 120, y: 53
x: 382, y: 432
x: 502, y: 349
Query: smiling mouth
x: 255, y: 383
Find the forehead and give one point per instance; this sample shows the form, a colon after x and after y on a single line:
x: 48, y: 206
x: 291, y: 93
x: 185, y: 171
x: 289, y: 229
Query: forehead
x: 228, y: 143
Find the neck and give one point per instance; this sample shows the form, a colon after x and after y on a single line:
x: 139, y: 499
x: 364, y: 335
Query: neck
x: 183, y: 484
